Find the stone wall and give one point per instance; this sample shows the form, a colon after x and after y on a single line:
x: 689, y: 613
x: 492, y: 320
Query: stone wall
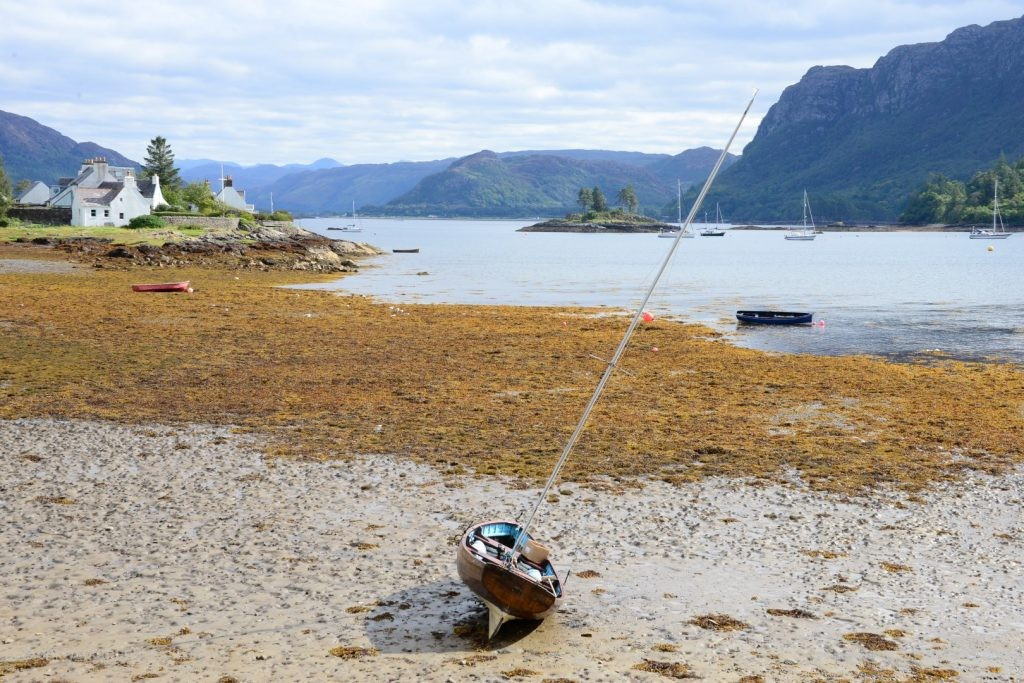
x: 208, y: 222
x: 45, y: 215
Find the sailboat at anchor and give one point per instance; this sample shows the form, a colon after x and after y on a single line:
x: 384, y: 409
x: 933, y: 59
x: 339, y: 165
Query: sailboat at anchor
x: 498, y: 560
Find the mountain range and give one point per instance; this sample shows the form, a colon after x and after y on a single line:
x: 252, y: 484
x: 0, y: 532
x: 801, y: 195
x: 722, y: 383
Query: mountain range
x: 860, y: 141
x: 548, y: 182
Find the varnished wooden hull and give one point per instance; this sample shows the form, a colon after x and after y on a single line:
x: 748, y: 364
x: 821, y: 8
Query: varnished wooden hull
x: 510, y: 592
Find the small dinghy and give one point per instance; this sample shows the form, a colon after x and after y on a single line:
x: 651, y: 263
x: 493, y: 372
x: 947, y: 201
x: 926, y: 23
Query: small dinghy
x: 163, y: 287
x: 498, y: 560
x: 406, y: 251
x: 774, y: 317
x: 528, y: 588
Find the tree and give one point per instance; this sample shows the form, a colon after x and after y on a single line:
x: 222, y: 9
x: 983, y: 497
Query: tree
x: 597, y: 199
x: 198, y: 195
x: 627, y: 198
x: 160, y: 162
x: 6, y: 198
x: 585, y: 198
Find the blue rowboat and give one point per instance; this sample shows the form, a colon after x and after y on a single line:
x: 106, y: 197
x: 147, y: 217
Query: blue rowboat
x: 774, y: 317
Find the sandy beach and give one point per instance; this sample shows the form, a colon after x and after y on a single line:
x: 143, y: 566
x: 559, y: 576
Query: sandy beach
x: 182, y: 552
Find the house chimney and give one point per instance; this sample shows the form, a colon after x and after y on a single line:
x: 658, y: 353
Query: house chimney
x: 228, y: 182
x: 129, y: 178
x: 100, y: 164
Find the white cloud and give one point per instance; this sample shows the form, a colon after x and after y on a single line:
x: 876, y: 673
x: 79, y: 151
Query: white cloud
x: 260, y: 81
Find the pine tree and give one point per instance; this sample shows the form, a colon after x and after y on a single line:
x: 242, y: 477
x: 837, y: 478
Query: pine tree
x: 160, y: 162
x: 585, y: 198
x: 627, y: 198
x: 599, y: 202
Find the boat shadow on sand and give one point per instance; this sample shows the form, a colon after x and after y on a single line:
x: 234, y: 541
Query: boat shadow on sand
x: 442, y: 616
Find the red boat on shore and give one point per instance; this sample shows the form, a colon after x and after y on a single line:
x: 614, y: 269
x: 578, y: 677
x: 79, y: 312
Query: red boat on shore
x: 163, y: 287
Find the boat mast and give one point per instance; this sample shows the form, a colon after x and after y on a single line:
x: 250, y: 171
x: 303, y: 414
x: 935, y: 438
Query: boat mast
x: 995, y: 206
x: 610, y: 368
x: 805, y: 210
x: 679, y: 203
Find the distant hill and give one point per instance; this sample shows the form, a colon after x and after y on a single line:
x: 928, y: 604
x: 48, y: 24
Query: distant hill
x: 862, y: 140
x: 333, y: 190
x: 633, y: 158
x: 32, y: 151
x: 245, y: 177
x: 691, y: 166
x: 488, y: 184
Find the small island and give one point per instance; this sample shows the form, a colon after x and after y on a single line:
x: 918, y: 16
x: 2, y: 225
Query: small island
x: 597, y: 217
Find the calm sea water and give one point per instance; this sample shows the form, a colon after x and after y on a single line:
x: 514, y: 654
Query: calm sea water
x: 891, y: 294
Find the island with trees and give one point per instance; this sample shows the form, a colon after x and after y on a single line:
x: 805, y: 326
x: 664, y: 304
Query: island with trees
x: 596, y: 216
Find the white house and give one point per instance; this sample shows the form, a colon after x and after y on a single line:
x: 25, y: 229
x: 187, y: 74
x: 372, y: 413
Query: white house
x: 39, y: 193
x: 233, y: 197
x: 106, y: 195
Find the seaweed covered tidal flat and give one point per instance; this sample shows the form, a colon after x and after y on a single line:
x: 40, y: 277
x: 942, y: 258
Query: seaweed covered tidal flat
x: 490, y: 389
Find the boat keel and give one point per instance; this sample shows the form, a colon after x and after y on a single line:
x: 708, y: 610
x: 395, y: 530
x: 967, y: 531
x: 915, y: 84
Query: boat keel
x: 495, y: 618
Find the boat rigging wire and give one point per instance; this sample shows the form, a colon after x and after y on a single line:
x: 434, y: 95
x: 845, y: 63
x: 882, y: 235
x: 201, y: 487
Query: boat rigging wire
x: 610, y: 367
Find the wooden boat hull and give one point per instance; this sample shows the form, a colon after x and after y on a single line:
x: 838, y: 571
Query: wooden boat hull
x: 162, y: 287
x: 508, y: 592
x: 774, y: 317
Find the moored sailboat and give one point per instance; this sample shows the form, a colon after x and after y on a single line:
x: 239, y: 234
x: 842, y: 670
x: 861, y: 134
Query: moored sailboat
x: 679, y: 216
x: 998, y: 231
x: 498, y: 560
x: 716, y: 231
x: 807, y: 233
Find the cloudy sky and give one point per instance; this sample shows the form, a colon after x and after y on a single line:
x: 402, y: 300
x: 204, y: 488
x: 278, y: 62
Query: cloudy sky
x: 383, y: 80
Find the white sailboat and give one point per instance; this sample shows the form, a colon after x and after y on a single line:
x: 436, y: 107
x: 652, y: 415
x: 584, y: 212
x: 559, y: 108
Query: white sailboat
x: 353, y: 226
x: 805, y: 234
x: 686, y: 232
x: 998, y: 232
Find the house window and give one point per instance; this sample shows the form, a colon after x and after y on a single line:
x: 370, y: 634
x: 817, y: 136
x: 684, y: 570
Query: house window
x: 106, y: 213
x: 121, y: 215
x: 92, y: 212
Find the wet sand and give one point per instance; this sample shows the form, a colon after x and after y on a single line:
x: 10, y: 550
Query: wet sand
x: 182, y: 552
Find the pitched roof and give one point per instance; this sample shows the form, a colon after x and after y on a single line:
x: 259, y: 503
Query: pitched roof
x: 32, y: 187
x: 146, y: 187
x: 99, y: 196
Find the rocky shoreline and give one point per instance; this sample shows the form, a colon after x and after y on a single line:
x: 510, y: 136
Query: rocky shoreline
x: 269, y: 246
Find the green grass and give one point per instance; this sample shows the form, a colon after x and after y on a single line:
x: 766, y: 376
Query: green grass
x: 117, y: 235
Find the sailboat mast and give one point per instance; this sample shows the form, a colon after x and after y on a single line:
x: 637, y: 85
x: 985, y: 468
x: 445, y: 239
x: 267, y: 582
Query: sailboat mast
x: 995, y: 205
x: 805, y: 209
x: 521, y: 539
x: 679, y: 203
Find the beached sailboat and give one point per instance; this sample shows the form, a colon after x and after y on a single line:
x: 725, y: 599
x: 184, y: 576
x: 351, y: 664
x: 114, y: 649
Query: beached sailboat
x: 679, y: 216
x: 806, y: 233
x: 716, y: 231
x: 498, y: 560
x: 998, y: 232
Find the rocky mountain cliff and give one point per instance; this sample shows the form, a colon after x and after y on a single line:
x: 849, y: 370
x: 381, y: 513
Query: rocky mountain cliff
x: 861, y: 140
x: 32, y: 151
